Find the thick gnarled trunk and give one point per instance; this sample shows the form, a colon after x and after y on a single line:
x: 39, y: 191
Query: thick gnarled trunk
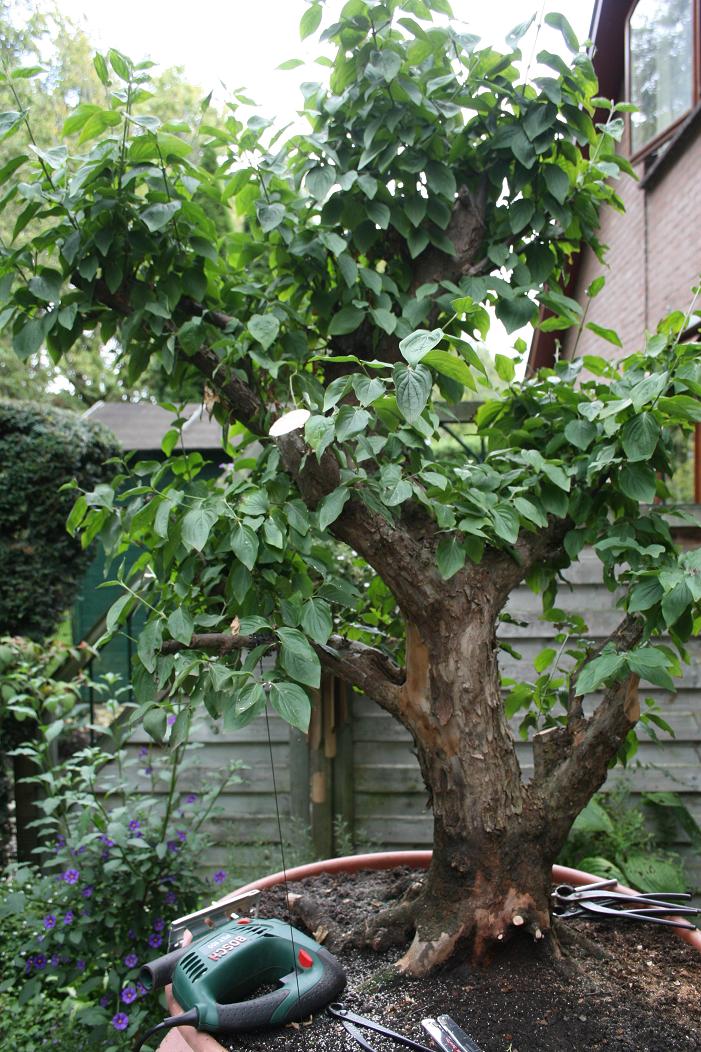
x: 492, y: 855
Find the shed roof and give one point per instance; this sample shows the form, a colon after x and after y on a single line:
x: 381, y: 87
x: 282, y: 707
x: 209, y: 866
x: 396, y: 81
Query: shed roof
x: 142, y: 425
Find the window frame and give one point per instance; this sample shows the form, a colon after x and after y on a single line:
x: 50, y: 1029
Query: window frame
x: 652, y: 145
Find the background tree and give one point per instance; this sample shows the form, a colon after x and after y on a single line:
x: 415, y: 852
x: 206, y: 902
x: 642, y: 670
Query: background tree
x: 60, y: 55
x: 335, y: 327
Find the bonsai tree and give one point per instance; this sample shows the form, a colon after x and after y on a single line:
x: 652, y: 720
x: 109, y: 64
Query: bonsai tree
x: 335, y: 328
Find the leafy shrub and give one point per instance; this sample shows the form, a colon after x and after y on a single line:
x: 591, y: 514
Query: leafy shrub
x: 42, y: 449
x: 117, y: 866
x: 612, y: 838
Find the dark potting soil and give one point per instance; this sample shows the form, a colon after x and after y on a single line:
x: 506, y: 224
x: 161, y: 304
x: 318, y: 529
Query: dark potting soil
x: 623, y: 988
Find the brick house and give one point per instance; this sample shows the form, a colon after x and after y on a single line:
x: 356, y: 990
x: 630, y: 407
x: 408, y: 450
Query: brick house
x: 647, y: 52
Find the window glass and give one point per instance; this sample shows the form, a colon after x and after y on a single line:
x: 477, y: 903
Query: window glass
x: 661, y: 65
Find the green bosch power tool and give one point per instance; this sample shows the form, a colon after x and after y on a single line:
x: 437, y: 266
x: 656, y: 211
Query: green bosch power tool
x: 231, y: 957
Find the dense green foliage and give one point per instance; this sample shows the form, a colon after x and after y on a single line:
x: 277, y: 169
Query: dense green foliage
x: 432, y: 183
x: 41, y: 450
x: 117, y: 862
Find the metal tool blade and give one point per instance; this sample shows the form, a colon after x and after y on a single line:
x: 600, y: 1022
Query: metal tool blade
x: 457, y: 1034
x: 440, y: 1038
x: 203, y: 921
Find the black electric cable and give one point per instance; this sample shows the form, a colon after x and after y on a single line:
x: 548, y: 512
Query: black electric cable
x: 186, y: 1019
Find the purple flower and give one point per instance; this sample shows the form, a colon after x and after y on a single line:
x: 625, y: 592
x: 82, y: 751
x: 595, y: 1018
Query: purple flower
x: 105, y: 855
x: 120, y: 1021
x: 104, y: 839
x: 61, y: 840
x: 148, y: 770
x: 71, y: 876
x: 128, y: 995
x: 87, y: 891
x: 220, y: 876
x: 39, y: 961
x: 50, y: 921
x: 159, y: 924
x: 173, y: 845
x: 171, y: 898
x: 143, y: 751
x: 181, y: 835
x: 171, y: 720
x: 131, y: 960
x: 155, y: 940
x: 134, y: 824
x: 54, y: 960
x: 80, y: 965
x: 81, y: 850
x: 191, y: 798
x: 104, y: 1000
x: 141, y: 990
x: 131, y: 934
x: 28, y: 965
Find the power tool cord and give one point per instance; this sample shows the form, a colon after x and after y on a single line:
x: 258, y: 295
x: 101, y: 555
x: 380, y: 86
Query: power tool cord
x: 186, y: 1019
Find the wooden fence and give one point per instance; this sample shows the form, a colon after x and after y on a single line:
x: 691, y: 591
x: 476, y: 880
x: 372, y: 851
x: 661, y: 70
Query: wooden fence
x: 355, y: 776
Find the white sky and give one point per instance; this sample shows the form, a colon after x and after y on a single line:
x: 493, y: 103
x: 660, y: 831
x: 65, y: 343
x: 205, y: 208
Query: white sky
x: 239, y: 43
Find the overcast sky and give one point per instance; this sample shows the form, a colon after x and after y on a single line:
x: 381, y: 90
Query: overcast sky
x: 239, y: 43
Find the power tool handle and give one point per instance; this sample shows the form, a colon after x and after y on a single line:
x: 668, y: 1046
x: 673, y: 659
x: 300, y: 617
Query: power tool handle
x: 260, y: 1012
x: 157, y: 974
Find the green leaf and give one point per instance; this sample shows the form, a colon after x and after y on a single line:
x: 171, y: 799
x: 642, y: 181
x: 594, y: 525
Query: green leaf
x: 652, y: 665
x: 544, y: 659
x: 598, y: 670
x: 520, y: 214
x: 264, y: 328
x: 344, y: 321
x: 414, y: 347
x: 101, y: 69
x: 558, y: 21
x: 351, y: 421
x: 448, y: 365
x: 385, y: 64
x: 515, y: 313
x: 319, y: 432
x: 441, y: 179
x: 528, y: 511
x: 645, y: 595
x: 378, y: 213
x: 682, y: 407
x: 120, y: 64
x: 30, y: 338
x: 413, y: 386
x: 157, y: 216
x: 155, y: 723
x: 610, y: 335
x: 270, y: 216
x: 506, y: 370
x: 506, y: 523
x: 580, y: 433
x: 149, y: 644
x: 310, y: 20
x: 638, y: 481
x: 331, y: 506
x: 557, y: 182
x: 675, y: 603
x: 196, y: 527
x: 180, y: 625
x: 316, y: 620
x: 319, y: 181
x: 244, y: 545
x: 117, y: 612
x: 292, y: 703
x: 46, y: 285
x: 640, y: 436
x: 297, y: 657
x: 450, y: 556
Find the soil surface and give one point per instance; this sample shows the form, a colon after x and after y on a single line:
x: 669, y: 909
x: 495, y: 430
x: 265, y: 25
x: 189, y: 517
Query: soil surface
x: 623, y: 988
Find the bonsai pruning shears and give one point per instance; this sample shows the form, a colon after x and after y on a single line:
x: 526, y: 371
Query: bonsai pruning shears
x: 215, y: 975
x: 599, y: 902
x: 445, y: 1033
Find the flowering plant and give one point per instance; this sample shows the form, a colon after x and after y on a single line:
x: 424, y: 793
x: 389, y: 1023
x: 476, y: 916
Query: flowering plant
x: 117, y: 866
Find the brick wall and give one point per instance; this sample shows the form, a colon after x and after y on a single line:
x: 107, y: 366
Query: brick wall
x: 654, y: 255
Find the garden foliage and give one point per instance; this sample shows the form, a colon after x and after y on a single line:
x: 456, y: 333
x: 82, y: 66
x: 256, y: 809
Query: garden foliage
x: 42, y: 449
x: 120, y: 856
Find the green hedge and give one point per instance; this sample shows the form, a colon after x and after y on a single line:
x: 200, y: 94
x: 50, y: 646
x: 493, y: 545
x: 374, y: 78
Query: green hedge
x: 41, y: 448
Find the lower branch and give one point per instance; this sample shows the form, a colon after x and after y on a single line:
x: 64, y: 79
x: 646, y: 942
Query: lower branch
x: 360, y: 665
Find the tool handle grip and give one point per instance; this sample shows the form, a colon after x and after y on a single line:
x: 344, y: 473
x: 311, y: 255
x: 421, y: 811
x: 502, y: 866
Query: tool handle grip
x: 271, y: 1010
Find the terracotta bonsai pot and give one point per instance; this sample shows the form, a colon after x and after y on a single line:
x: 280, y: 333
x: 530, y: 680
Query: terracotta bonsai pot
x: 186, y: 1039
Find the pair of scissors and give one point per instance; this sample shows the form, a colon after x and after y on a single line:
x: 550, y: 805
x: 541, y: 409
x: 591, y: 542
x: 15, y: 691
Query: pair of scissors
x: 599, y: 902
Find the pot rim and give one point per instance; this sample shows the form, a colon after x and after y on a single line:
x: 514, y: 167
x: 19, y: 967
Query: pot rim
x: 176, y: 1042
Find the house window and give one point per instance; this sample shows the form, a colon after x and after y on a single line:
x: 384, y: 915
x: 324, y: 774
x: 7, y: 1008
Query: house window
x: 661, y: 66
